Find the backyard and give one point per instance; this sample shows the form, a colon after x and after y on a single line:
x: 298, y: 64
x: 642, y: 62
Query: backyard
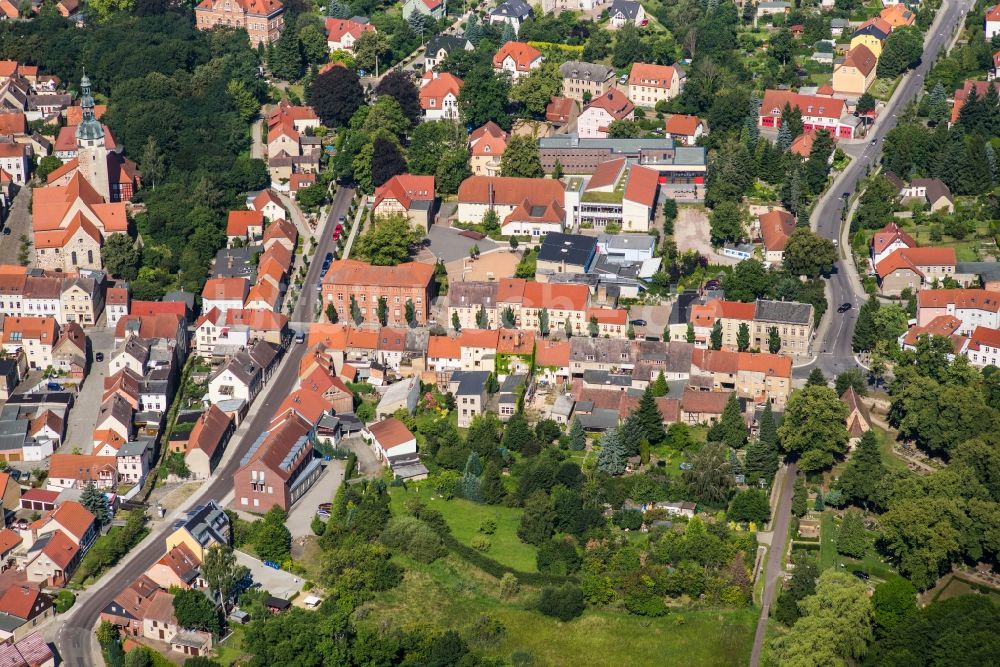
x: 465, y: 517
x: 450, y: 593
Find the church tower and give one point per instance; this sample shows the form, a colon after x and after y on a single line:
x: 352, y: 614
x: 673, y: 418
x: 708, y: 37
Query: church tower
x: 91, y: 153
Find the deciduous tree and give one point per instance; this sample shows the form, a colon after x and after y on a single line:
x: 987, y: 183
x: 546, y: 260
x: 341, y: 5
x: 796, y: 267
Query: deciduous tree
x: 521, y: 159
x: 335, y: 95
x: 809, y: 254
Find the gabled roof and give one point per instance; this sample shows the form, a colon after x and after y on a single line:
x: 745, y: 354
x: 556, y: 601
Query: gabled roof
x: 898, y: 15
x: 252, y: 7
x: 682, y: 125
x: 512, y: 9
x: 875, y: 26
x: 960, y: 299
x: 915, y: 258
x: 515, y: 341
x: 984, y: 337
x: 81, y: 467
x: 264, y: 198
x: 627, y: 8
x: 19, y: 601
x: 559, y: 109
x: 209, y: 430
x: 391, y: 339
x: 225, y: 289
x: 239, y: 222
x: 182, y: 561
x: 337, y: 28
x: 888, y: 235
x: 390, y: 433
x: 555, y: 296
x: 704, y: 402
x: 642, y: 186
x: 775, y: 228
x: 61, y: 550
x: 652, y: 76
x: 552, y: 353
x: 521, y: 53
x: 308, y: 404
x: 575, y: 69
x: 614, y: 102
x: 810, y: 105
x: 405, y: 188
x: 437, y: 86
x: 511, y: 191
x: 861, y: 58
x: 488, y: 139
x: 443, y: 347
x: 446, y: 42
x: 276, y: 448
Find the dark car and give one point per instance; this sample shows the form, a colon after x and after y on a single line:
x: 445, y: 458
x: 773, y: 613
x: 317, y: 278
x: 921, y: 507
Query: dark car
x: 6, y: 231
x: 844, y: 307
x: 342, y: 219
x: 712, y: 284
x: 863, y: 576
x: 638, y: 323
x: 99, y: 356
x: 53, y: 386
x: 328, y: 259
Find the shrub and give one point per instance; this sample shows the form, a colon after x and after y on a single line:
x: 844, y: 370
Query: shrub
x: 509, y: 586
x: 627, y: 519
x: 488, y: 526
x: 564, y: 603
x: 414, y: 537
x: 64, y: 600
x: 481, y: 543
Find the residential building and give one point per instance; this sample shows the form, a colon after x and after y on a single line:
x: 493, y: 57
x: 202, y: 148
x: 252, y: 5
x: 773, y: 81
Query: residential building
x: 758, y: 377
x: 559, y: 111
x: 280, y: 466
x: 915, y: 268
x: 513, y: 12
x: 36, y: 336
x: 390, y: 438
x: 402, y: 395
x: 684, y: 129
x: 793, y: 321
x: 32, y: 651
x: 623, y: 12
x: 611, y: 322
x: 439, y: 46
x: 179, y: 567
x: 262, y: 19
x: 563, y: 253
x: 992, y: 21
x: 439, y: 95
x: 52, y: 559
x: 23, y: 607
x: 973, y: 308
x: 245, y: 226
x: 268, y: 204
x: 469, y: 390
x: 932, y: 192
x: 775, y: 227
x: 408, y: 195
x: 818, y: 113
x: 203, y: 527
x: 871, y: 34
x: 602, y: 111
x: 486, y: 146
x: 855, y: 75
x: 649, y: 84
x: 582, y: 81
x: 517, y: 59
x: 526, y: 206
x: 243, y: 375
x: 76, y: 471
x: 962, y: 94
x: 887, y: 240
x: 350, y: 281
x: 15, y: 161
x: 431, y: 8
x: 341, y: 34
x: 224, y: 293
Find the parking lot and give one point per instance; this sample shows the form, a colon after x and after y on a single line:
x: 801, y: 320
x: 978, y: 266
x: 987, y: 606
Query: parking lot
x: 302, y: 513
x: 448, y: 245
x: 276, y: 582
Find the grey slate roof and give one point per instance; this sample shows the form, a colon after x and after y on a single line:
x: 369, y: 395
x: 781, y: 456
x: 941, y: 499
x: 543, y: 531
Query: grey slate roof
x: 789, y: 312
x: 985, y: 270
x: 603, y: 350
x: 627, y: 8
x: 575, y: 69
x: 473, y: 294
x: 447, y: 42
x: 600, y: 419
x: 513, y: 9
x: 470, y: 382
x: 563, y: 141
x: 606, y: 378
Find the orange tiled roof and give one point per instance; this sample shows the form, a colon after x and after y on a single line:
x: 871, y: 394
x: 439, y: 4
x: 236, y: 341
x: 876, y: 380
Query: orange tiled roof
x: 653, y: 76
x: 914, y: 258
x: 614, y: 102
x: 960, y: 299
x: 521, y: 53
x: 353, y: 272
x: 405, y: 188
x: 775, y: 228
x: 682, y: 124
x: 443, y: 347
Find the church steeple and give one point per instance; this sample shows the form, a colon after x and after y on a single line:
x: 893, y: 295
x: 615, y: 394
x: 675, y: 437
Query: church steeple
x: 89, y: 129
x: 91, y: 150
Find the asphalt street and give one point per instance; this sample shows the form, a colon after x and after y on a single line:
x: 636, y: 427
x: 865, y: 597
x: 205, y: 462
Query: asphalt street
x: 833, y: 341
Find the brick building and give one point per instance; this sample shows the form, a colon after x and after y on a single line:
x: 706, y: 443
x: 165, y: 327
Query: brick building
x: 262, y: 19
x: 367, y: 284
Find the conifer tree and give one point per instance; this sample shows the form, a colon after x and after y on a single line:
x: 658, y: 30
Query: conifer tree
x: 612, y: 459
x: 95, y: 502
x: 715, y: 339
x: 660, y: 387
x: 577, y: 440
x: 816, y: 378
x: 649, y: 418
x: 743, y: 337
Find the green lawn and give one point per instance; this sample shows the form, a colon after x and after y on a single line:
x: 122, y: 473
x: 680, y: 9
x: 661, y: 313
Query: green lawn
x: 871, y: 564
x: 464, y: 518
x: 892, y: 462
x: 827, y: 541
x: 451, y: 594
x: 231, y: 649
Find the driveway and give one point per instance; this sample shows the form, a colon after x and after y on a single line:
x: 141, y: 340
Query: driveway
x: 276, y: 582
x: 83, y: 414
x: 448, y: 245
x: 368, y: 464
x: 299, y: 520
x: 19, y: 223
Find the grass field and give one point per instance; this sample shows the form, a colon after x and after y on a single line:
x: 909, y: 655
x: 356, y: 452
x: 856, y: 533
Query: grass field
x: 957, y: 586
x: 465, y: 517
x: 871, y: 564
x: 231, y: 649
x: 451, y: 594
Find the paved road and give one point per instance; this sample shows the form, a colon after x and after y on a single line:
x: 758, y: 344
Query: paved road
x: 83, y: 414
x: 775, y: 566
x: 833, y: 341
x: 19, y: 223
x: 75, y: 642
x: 310, y: 296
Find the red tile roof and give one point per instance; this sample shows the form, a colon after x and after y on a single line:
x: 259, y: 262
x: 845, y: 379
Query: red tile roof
x: 8, y: 540
x: 521, y: 53
x: 642, y: 186
x: 614, y: 102
x: 479, y: 338
x: 653, y: 76
x: 515, y: 341
x: 984, y: 337
x: 914, y: 258
x: 488, y: 139
x: 960, y: 299
x: 810, y: 105
x: 889, y: 235
x: 559, y: 109
x: 704, y: 402
x: 405, y: 188
x: 606, y: 174
x: 511, y: 191
x: 353, y: 272
x: 443, y: 347
x: 942, y: 325
x: 239, y: 222
x: 437, y: 86
x: 861, y: 58
x: 61, y: 550
x: 390, y: 433
x: 554, y: 296
x: 208, y: 431
x: 608, y: 315
x: 337, y: 28
x: 553, y: 353
x: 227, y: 289
x: 682, y: 124
x: 775, y: 228
x: 150, y: 308
x: 19, y: 601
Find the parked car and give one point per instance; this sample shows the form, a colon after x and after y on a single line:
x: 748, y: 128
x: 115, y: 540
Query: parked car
x: 300, y: 337
x: 6, y: 231
x: 53, y: 386
x: 638, y: 323
x: 712, y: 284
x: 99, y: 356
